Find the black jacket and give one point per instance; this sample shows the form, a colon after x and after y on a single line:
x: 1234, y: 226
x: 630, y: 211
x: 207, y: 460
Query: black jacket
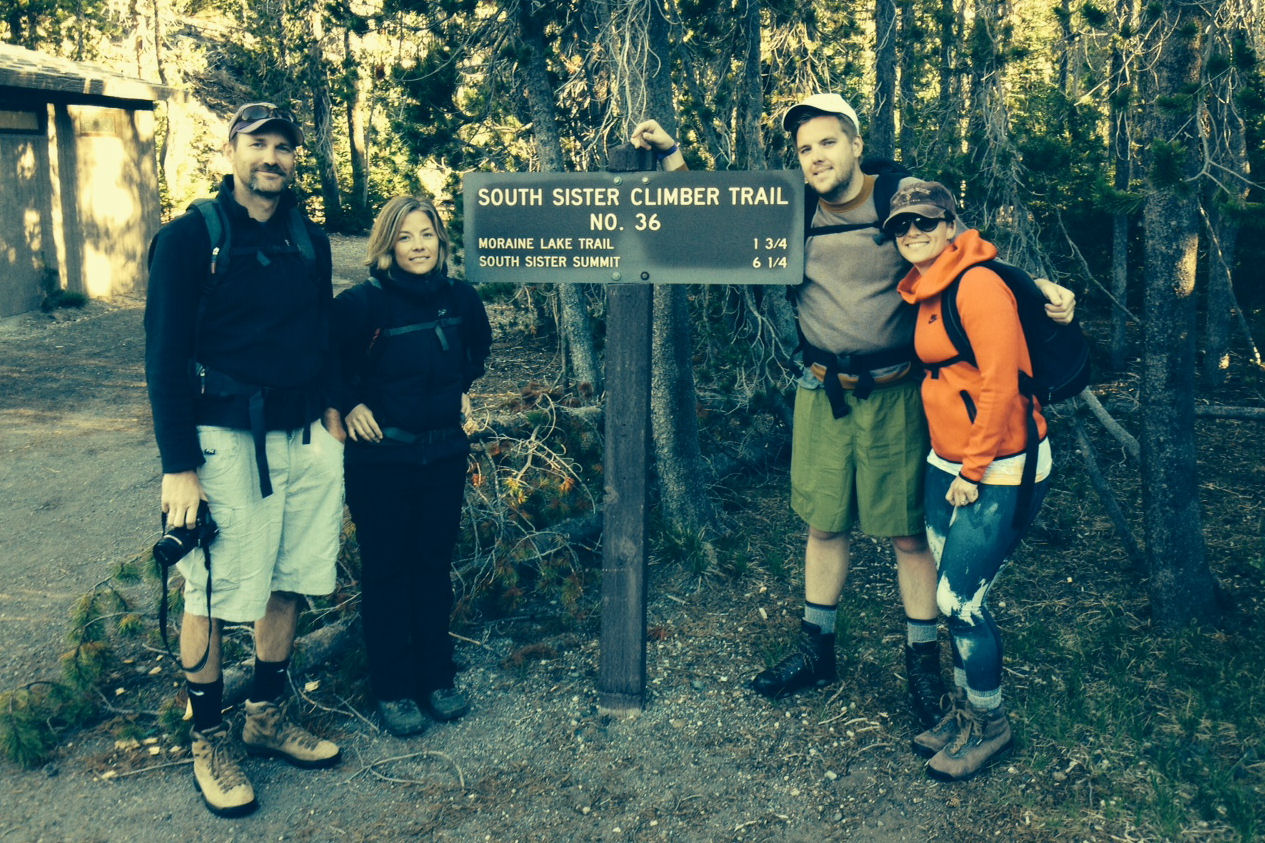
x: 412, y: 378
x: 264, y: 322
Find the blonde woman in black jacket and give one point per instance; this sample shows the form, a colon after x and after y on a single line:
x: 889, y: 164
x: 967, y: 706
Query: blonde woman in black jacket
x: 411, y: 341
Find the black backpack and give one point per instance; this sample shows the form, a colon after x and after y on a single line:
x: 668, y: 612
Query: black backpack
x: 1059, y: 355
x: 220, y: 234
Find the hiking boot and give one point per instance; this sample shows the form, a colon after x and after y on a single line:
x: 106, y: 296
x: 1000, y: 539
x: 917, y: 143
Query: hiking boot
x: 269, y: 731
x: 811, y: 664
x: 401, y: 717
x: 983, y: 738
x: 926, y: 684
x: 446, y: 704
x: 224, y: 787
x: 936, y: 738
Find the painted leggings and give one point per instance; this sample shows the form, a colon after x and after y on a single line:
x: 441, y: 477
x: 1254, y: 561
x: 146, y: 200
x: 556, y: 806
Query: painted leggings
x: 970, y: 545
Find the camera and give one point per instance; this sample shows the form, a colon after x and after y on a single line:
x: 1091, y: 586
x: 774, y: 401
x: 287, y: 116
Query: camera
x: 177, y: 542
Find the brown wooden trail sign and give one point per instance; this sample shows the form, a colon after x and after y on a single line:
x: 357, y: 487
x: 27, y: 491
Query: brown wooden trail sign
x: 630, y: 229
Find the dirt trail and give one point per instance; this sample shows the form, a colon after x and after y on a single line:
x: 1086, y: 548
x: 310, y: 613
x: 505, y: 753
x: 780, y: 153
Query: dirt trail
x: 79, y: 473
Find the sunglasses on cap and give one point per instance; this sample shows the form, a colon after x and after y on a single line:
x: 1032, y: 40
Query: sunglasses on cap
x: 900, y: 226
x: 262, y: 111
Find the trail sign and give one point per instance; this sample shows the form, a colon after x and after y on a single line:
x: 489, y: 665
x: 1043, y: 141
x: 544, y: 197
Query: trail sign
x: 639, y: 227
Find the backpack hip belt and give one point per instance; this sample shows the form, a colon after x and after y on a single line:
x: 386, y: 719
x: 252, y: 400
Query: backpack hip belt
x: 219, y: 385
x: 855, y: 372
x: 422, y: 437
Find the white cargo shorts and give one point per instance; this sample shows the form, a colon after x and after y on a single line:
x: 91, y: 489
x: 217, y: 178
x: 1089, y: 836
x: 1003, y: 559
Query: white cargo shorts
x: 288, y: 541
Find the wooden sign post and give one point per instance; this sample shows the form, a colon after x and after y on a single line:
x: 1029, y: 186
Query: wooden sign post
x: 631, y: 230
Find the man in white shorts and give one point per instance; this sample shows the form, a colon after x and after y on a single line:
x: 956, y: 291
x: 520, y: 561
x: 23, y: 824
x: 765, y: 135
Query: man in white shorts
x: 238, y: 366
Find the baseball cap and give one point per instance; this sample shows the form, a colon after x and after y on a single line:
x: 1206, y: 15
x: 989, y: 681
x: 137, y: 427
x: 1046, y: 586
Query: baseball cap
x: 819, y: 104
x: 253, y: 116
x: 928, y: 199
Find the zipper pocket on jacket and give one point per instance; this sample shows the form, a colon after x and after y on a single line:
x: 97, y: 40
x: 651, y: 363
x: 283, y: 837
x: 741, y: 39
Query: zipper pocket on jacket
x: 970, y: 405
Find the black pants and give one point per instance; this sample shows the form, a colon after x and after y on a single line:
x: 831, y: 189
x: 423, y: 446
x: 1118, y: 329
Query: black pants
x: 407, y: 520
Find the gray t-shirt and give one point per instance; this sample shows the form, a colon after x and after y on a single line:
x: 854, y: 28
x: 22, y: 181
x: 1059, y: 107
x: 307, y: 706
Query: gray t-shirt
x: 848, y: 302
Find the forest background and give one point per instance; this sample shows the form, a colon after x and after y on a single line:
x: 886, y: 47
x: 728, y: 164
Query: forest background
x: 1110, y: 147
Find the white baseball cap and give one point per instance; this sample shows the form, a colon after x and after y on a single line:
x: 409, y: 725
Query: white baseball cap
x: 820, y: 104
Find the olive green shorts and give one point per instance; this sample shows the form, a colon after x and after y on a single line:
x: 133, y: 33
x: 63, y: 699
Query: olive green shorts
x: 865, y: 468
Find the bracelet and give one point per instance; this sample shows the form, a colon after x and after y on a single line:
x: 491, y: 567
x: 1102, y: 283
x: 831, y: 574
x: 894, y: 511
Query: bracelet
x: 676, y: 147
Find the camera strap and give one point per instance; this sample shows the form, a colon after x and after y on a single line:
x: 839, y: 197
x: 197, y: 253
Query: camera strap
x: 162, y: 618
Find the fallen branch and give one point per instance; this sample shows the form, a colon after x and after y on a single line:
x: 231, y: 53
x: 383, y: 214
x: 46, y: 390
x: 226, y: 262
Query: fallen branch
x: 1203, y: 411
x: 1105, y: 494
x: 520, y: 424
x: 151, y: 768
x: 310, y: 651
x: 1211, y: 411
x: 1124, y: 437
x: 369, y: 768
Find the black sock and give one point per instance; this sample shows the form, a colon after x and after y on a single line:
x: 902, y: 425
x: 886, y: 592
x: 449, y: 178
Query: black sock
x: 269, y: 682
x: 207, y: 700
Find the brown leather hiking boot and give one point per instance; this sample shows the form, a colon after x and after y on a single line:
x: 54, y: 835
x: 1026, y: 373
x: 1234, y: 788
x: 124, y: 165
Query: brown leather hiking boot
x: 928, y: 743
x: 812, y: 663
x: 224, y: 787
x: 269, y: 731
x: 983, y: 738
x: 926, y: 683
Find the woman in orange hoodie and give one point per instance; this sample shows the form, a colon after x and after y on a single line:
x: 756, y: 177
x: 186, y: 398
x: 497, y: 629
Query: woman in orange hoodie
x: 978, y: 423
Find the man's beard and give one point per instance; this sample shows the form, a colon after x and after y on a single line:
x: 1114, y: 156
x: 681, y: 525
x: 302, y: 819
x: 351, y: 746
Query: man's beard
x: 255, y: 187
x: 841, y: 188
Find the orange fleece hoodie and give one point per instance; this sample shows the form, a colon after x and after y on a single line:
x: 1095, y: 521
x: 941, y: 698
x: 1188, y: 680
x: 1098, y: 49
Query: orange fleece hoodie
x: 975, y: 415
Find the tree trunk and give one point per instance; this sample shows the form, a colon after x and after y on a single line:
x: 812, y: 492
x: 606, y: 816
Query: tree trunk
x: 576, y: 324
x: 357, y: 137
x: 673, y: 412
x: 910, y: 36
x: 1122, y: 157
x: 1067, y: 76
x: 321, y: 143
x: 880, y: 140
x: 1227, y: 146
x: 950, y: 107
x: 750, y: 144
x: 986, y: 104
x: 1181, y: 585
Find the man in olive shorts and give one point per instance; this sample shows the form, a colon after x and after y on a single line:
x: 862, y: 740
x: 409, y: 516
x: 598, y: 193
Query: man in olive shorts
x: 860, y: 440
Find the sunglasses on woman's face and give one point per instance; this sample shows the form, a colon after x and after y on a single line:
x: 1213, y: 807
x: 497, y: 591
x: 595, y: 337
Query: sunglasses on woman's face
x: 900, y: 227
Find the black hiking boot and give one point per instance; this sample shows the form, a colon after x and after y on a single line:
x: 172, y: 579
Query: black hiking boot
x: 926, y: 684
x: 811, y: 664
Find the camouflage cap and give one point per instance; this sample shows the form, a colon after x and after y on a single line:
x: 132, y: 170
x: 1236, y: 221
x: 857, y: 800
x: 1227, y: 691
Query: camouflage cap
x: 928, y: 199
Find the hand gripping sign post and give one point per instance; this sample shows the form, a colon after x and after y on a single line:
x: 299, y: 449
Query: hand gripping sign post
x: 630, y: 228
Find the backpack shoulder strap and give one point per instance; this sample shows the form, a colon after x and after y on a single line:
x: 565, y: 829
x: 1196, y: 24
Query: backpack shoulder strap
x: 888, y: 177
x: 219, y: 232
x: 1029, y: 302
x: 952, y: 317
x: 810, y: 210
x: 300, y: 236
